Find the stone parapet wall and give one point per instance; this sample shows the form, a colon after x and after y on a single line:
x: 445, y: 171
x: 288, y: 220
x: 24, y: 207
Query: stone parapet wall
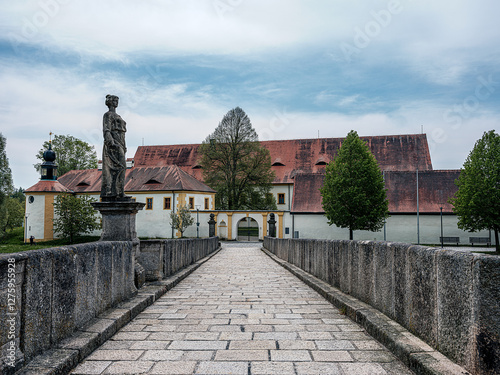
x: 58, y: 291
x: 449, y: 299
x: 162, y: 258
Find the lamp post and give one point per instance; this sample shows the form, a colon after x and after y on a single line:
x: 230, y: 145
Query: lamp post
x: 26, y: 227
x: 441, y: 209
x: 197, y: 221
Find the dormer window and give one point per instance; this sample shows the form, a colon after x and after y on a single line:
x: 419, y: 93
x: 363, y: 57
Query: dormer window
x: 277, y: 163
x: 83, y: 184
x: 152, y: 182
x: 321, y: 161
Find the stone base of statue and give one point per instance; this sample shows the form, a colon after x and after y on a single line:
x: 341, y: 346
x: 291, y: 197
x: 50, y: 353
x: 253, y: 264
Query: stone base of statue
x: 118, y: 219
x: 118, y: 224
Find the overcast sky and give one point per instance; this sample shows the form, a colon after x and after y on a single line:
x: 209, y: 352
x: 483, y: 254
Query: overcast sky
x: 298, y: 68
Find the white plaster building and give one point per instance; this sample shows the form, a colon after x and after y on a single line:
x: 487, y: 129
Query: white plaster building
x: 165, y: 177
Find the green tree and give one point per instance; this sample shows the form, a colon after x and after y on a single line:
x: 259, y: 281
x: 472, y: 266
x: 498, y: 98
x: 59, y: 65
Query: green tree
x: 5, y: 172
x: 71, y: 154
x: 19, y: 195
x: 74, y: 216
x: 14, y: 214
x: 236, y: 165
x: 5, y: 184
x: 354, y: 194
x: 181, y: 219
x: 477, y: 201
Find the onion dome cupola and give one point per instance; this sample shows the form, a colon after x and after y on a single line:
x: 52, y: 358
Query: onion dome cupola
x: 49, y: 167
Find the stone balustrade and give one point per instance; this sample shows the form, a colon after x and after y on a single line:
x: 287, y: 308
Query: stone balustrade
x: 46, y: 295
x: 450, y: 299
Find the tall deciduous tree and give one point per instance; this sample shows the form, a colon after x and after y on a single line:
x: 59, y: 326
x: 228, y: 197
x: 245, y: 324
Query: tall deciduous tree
x: 5, y: 172
x: 74, y: 216
x: 71, y: 153
x: 14, y: 214
x: 477, y: 201
x: 181, y: 219
x: 5, y: 184
x: 236, y: 165
x: 354, y: 194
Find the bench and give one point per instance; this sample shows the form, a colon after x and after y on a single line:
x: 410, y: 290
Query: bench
x: 476, y: 240
x: 449, y: 240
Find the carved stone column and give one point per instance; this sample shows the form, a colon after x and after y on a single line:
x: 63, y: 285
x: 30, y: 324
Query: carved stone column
x: 211, y: 226
x: 118, y: 224
x: 272, y: 225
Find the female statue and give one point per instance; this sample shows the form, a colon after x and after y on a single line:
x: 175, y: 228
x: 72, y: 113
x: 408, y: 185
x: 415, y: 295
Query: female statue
x: 114, y: 164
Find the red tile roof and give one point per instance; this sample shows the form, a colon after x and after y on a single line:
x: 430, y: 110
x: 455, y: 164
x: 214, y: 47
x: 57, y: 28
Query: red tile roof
x: 435, y: 188
x: 51, y: 186
x: 166, y: 178
x: 393, y: 153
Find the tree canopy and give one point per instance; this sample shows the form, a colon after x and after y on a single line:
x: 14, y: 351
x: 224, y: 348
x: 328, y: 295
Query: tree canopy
x: 5, y: 172
x: 74, y: 216
x: 354, y: 194
x: 236, y: 165
x: 477, y: 201
x: 6, y: 186
x: 181, y: 219
x: 71, y: 153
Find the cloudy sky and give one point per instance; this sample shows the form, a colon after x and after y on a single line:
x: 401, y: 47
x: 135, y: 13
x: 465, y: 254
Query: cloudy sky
x: 298, y: 68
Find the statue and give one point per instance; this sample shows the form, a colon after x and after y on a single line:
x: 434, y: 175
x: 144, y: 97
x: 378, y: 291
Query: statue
x: 114, y: 164
x: 211, y: 226
x: 272, y: 225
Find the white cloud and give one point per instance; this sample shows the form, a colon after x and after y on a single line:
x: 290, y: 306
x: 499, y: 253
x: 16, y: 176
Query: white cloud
x: 440, y: 43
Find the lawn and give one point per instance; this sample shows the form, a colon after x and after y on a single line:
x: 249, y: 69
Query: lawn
x: 12, y: 242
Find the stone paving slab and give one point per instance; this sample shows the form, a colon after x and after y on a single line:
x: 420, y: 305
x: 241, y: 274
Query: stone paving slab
x: 241, y: 313
x: 414, y: 352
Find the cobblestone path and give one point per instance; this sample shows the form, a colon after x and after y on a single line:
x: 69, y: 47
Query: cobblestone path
x: 241, y: 313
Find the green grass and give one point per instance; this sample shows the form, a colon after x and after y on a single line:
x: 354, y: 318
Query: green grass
x: 12, y: 242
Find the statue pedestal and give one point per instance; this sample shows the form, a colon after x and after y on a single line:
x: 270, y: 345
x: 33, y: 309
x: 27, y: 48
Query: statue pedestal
x: 118, y: 224
x: 118, y: 219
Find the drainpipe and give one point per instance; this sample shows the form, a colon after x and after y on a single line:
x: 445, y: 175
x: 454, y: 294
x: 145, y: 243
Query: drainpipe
x: 173, y: 210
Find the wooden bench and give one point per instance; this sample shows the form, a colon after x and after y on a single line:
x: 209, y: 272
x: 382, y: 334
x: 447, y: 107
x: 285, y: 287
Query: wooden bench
x: 449, y: 240
x: 476, y: 240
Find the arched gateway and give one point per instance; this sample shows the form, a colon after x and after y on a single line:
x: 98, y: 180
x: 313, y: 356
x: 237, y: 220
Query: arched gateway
x: 248, y: 229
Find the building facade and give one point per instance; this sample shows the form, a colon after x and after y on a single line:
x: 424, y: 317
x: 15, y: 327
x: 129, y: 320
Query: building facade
x: 165, y: 177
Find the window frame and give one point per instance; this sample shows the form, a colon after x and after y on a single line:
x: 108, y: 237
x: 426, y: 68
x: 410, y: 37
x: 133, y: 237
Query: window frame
x: 165, y: 200
x: 147, y: 203
x: 207, y: 203
x: 281, y: 195
x: 191, y: 206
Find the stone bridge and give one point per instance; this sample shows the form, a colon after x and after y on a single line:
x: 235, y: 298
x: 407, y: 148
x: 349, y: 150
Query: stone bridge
x: 294, y: 307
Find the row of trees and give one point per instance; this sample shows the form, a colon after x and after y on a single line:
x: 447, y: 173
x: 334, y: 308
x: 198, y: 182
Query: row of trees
x: 237, y: 166
x: 11, y: 200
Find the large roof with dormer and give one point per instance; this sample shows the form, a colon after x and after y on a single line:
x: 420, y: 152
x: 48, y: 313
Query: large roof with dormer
x: 137, y: 179
x: 291, y: 157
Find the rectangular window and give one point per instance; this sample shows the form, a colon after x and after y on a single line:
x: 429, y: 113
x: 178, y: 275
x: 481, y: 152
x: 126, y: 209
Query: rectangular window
x: 281, y: 198
x: 167, y: 203
x: 149, y: 203
x: 191, y: 203
x: 207, y: 203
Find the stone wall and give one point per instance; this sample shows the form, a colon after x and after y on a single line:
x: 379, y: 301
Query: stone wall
x: 53, y: 292
x: 449, y: 299
x: 162, y: 258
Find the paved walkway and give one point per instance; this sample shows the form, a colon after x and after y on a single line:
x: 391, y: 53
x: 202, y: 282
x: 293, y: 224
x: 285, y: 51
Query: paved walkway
x: 241, y: 313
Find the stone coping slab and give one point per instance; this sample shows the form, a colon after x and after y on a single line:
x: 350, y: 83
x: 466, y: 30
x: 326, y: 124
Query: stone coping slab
x: 72, y: 350
x: 412, y: 351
